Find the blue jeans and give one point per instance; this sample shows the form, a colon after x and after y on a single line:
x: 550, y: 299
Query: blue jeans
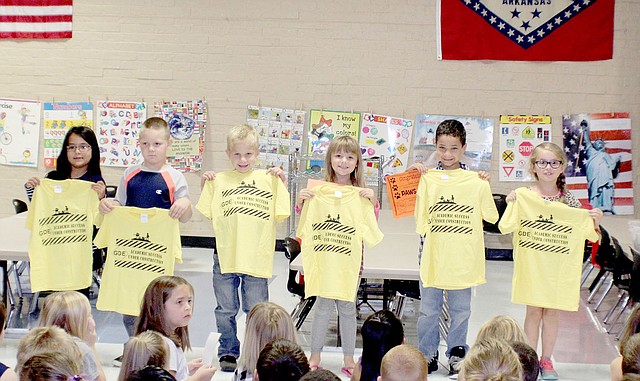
x: 225, y: 287
x: 431, y: 301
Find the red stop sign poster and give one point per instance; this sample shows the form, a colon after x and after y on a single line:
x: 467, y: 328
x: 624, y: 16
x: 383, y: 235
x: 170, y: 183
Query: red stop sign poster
x: 525, y: 149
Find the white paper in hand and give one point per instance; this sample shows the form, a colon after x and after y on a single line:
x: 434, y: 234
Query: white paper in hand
x: 210, y: 347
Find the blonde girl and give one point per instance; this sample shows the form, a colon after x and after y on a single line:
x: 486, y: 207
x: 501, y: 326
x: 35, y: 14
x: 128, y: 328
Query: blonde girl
x: 71, y: 311
x: 502, y: 327
x: 547, y: 164
x: 167, y: 307
x: 266, y: 322
x: 51, y: 366
x: 147, y: 348
x: 343, y: 166
x: 491, y: 359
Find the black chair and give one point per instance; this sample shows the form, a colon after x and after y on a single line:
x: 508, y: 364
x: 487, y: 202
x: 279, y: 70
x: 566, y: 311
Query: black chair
x: 295, y: 286
x: 621, y: 273
x: 111, y: 191
x: 630, y: 294
x: 605, y: 259
x: 20, y: 206
x: 501, y: 205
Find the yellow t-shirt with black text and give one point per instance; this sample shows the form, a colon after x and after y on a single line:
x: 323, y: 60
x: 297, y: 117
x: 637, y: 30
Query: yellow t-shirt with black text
x: 450, y: 207
x: 548, y: 241
x: 333, y: 225
x: 244, y: 209
x: 143, y: 244
x: 61, y: 221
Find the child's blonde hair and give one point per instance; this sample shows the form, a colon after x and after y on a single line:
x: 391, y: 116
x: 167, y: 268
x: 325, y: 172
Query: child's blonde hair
x: 152, y: 312
x: 69, y: 310
x: 45, y: 339
x: 491, y: 360
x: 345, y: 144
x: 51, y: 366
x: 242, y: 133
x: 559, y: 153
x: 266, y: 322
x: 502, y: 327
x: 403, y: 363
x: 147, y: 348
x: 156, y: 123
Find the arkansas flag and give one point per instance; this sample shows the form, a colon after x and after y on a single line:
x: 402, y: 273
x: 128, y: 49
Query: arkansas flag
x: 525, y: 30
x: 35, y: 18
x: 599, y: 161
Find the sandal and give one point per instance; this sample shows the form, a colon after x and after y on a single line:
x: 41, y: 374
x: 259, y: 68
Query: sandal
x: 347, y: 371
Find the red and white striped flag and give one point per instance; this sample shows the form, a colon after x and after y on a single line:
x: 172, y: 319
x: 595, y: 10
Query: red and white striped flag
x: 35, y: 18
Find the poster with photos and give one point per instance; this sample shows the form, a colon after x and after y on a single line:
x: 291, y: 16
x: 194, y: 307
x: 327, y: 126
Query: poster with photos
x: 324, y: 125
x: 519, y: 135
x: 387, y: 136
x: 58, y: 118
x: 19, y: 132
x: 279, y: 134
x: 187, y: 124
x: 118, y: 125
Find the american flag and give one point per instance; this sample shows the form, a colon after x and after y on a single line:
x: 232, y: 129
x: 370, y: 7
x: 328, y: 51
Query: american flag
x: 615, y: 130
x: 35, y: 19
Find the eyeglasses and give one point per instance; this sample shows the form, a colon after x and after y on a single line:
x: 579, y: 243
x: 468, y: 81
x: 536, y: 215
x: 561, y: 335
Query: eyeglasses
x: 542, y: 164
x: 81, y: 147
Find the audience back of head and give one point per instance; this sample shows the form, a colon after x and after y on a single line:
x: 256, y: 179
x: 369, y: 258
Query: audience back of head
x: 381, y: 331
x: 403, y: 363
x: 491, y: 360
x: 51, y: 366
x: 147, y: 348
x: 631, y: 355
x: 45, y: 340
x: 502, y: 327
x: 150, y: 373
x: 281, y: 360
x: 528, y: 360
x: 320, y: 375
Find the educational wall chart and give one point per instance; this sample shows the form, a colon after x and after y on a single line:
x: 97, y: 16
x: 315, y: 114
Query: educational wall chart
x: 58, y: 118
x: 479, y: 140
x: 387, y: 136
x: 19, y: 132
x: 599, y: 168
x: 280, y: 133
x: 187, y: 124
x: 324, y: 125
x: 519, y: 135
x: 118, y: 124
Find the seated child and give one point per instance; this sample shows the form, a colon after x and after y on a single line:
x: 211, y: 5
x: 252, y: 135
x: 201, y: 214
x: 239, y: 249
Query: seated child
x: 51, y: 366
x: 528, y: 360
x: 6, y: 373
x: 502, y: 327
x: 151, y: 373
x: 403, y: 363
x: 320, y: 375
x: 147, y: 348
x: 281, y: 360
x: 380, y: 332
x: 491, y: 359
x: 45, y: 339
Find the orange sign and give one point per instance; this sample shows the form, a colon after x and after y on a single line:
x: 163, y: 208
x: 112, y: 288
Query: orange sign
x: 402, y: 189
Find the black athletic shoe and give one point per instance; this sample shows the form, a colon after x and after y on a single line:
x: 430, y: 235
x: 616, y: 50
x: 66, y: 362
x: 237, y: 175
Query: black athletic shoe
x: 455, y: 359
x: 117, y: 362
x: 433, y: 363
x: 228, y: 363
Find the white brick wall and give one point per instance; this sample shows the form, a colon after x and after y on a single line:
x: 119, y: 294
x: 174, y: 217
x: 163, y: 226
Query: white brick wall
x: 364, y: 55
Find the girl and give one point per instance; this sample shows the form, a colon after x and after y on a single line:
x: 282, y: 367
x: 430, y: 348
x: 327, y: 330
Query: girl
x: 148, y: 348
x: 502, y: 327
x: 51, y: 366
x: 166, y: 309
x: 380, y: 332
x: 71, y: 311
x: 343, y: 166
x: 548, y: 163
x: 266, y: 322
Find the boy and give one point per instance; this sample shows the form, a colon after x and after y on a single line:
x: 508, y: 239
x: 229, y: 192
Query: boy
x: 403, y: 363
x: 449, y: 220
x: 281, y: 360
x: 151, y: 184
x: 244, y: 206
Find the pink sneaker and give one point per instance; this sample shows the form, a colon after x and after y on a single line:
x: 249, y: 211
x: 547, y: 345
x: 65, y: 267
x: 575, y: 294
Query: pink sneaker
x: 546, y: 370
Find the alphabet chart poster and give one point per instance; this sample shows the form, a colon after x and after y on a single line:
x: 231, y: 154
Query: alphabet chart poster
x: 388, y: 136
x: 118, y: 124
x: 519, y: 135
x: 59, y: 117
x: 187, y: 123
x: 19, y: 132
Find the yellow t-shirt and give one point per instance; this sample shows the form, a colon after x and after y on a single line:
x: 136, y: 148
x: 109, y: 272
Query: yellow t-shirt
x: 333, y: 225
x: 244, y: 209
x: 450, y: 207
x: 142, y: 245
x: 61, y: 220
x: 548, y: 241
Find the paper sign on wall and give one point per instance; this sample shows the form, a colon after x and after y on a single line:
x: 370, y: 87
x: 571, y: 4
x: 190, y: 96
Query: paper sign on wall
x: 402, y: 189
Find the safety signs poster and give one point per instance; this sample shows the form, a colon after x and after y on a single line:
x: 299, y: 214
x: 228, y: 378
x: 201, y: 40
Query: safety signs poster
x: 388, y: 136
x: 187, y: 123
x: 19, y: 132
x: 58, y: 118
x: 519, y: 135
x: 118, y: 124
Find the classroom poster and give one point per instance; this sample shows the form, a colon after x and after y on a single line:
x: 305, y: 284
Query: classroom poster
x: 19, y: 132
x: 519, y: 135
x: 58, y: 118
x: 324, y: 125
x: 388, y: 136
x: 118, y: 126
x: 599, y: 167
x: 187, y: 124
x: 280, y: 132
x: 403, y: 190
x: 479, y: 140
